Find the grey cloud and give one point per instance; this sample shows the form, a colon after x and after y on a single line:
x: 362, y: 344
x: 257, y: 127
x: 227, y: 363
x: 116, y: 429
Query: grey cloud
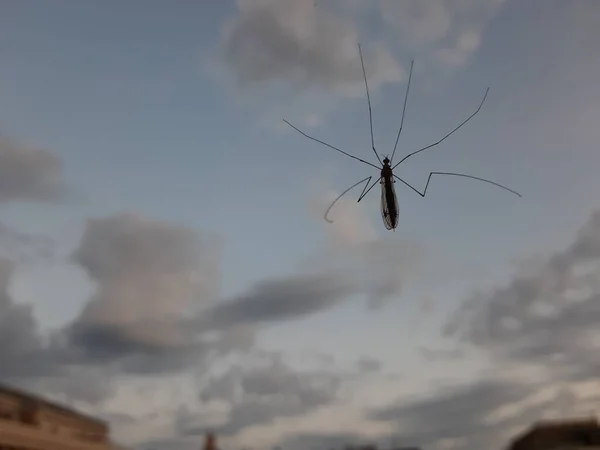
x: 74, y: 384
x: 280, y: 299
x: 379, y: 268
x: 20, y: 343
x: 261, y: 394
x: 170, y: 444
x: 90, y: 346
x: 325, y: 359
x: 147, y: 273
x: 387, y: 268
x: 27, y: 362
x: 442, y: 408
x: 461, y: 416
x: 30, y: 363
x: 454, y: 414
x: 321, y: 441
x: 28, y: 174
x: 546, y: 317
x: 295, y: 42
x: 376, y: 269
x: 129, y: 244
x: 368, y: 364
x: 436, y: 354
x: 137, y: 322
x: 149, y: 312
x: 458, y: 417
x: 222, y: 388
x: 18, y: 246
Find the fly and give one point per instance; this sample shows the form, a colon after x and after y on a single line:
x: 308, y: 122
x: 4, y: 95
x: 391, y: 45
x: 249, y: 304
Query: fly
x: 387, y: 178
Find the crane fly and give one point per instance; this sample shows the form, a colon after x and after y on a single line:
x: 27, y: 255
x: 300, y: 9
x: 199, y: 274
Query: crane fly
x: 387, y: 178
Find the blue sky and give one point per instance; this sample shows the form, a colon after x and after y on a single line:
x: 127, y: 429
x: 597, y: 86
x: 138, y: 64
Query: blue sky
x: 168, y: 118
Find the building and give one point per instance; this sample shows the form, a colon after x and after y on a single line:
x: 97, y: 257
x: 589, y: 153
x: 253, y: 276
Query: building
x: 210, y: 441
x: 564, y: 435
x: 28, y: 422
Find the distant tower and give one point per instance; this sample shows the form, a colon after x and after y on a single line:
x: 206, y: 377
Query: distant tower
x: 210, y: 442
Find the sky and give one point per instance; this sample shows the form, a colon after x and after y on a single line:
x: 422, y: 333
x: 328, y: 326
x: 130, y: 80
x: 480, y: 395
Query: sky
x: 165, y: 265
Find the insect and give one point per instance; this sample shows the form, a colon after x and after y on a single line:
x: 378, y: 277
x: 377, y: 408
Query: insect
x: 387, y: 178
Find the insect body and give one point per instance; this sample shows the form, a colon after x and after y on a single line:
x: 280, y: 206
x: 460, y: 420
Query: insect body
x: 389, y: 201
x: 387, y: 178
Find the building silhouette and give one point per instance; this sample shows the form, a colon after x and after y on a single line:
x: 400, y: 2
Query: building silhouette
x: 29, y: 422
x: 583, y: 434
x: 210, y: 441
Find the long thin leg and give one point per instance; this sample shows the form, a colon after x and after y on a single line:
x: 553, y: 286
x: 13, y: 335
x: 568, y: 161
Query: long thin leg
x: 403, y: 110
x: 448, y: 135
x: 369, y: 102
x: 331, y: 146
x: 422, y: 194
x: 364, y: 192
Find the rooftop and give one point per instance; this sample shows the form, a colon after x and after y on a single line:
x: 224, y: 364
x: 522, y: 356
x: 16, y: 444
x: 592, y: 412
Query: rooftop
x: 49, y: 404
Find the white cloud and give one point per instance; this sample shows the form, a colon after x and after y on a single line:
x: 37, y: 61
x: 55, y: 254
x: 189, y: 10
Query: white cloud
x: 294, y: 42
x: 351, y: 226
x: 279, y: 53
x: 443, y: 32
x: 288, y: 51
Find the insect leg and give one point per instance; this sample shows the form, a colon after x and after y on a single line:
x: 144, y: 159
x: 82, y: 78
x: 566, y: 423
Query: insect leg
x: 403, y: 110
x: 331, y: 146
x: 422, y: 194
x: 448, y: 135
x: 365, y: 191
x: 369, y: 102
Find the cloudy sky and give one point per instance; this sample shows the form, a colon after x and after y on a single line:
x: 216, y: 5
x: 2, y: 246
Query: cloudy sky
x: 164, y: 263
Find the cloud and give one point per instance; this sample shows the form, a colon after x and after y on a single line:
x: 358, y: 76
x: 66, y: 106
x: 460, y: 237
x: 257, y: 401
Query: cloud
x: 271, y: 390
x: 294, y: 42
x: 302, y: 45
x: 373, y: 269
x: 154, y: 309
x: 291, y: 57
x: 437, y: 354
x: 28, y: 174
x: 486, y: 413
x: 121, y: 251
x: 351, y: 227
x: 457, y: 415
x: 281, y: 299
x: 16, y: 245
x: 149, y: 276
x: 540, y: 332
x: 29, y: 362
x: 367, y: 364
x: 154, y: 314
x: 547, y: 316
x: 444, y: 32
x: 381, y: 267
x: 259, y: 391
x: 20, y: 342
x: 331, y: 440
x: 80, y: 386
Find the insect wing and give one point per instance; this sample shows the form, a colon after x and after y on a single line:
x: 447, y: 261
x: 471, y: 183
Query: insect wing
x: 389, y: 204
